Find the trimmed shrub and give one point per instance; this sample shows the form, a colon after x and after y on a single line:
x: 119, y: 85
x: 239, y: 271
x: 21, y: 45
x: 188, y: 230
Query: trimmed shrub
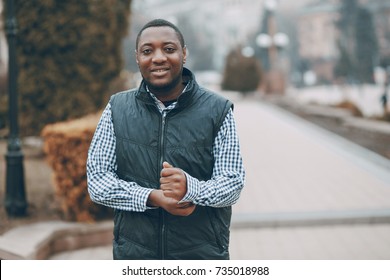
x: 68, y: 54
x: 241, y: 73
x: 66, y: 147
x: 349, y: 105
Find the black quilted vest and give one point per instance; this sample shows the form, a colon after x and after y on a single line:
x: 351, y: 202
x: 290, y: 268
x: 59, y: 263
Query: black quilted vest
x: 184, y: 138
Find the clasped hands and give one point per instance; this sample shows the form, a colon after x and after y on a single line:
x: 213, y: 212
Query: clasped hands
x: 173, y: 187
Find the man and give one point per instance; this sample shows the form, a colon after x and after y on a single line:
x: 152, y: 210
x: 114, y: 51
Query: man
x: 166, y: 157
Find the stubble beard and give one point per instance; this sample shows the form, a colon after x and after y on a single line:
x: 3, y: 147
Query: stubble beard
x: 165, y: 89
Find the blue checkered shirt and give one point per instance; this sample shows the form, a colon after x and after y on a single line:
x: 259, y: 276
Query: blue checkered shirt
x: 104, y: 186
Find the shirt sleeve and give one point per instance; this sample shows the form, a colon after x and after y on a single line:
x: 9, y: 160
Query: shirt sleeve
x: 104, y: 185
x: 228, y: 178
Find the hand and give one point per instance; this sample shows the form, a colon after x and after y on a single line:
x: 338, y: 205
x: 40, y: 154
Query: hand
x: 173, y: 182
x: 179, y: 209
x: 171, y: 205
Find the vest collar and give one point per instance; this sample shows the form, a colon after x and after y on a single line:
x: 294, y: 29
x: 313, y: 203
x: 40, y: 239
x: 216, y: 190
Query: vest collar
x: 183, y: 100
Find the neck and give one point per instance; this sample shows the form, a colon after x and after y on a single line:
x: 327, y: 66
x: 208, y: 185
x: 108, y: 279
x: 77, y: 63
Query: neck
x: 167, y: 94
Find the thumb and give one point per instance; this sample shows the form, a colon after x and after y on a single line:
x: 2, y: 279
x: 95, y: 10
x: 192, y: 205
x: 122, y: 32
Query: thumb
x: 166, y: 165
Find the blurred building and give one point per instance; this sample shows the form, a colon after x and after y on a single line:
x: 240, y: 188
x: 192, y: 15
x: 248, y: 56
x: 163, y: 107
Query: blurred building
x: 221, y: 24
x: 381, y: 11
x: 318, y: 34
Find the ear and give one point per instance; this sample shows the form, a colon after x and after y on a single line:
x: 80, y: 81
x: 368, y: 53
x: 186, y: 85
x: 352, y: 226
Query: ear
x: 136, y: 56
x: 184, y: 54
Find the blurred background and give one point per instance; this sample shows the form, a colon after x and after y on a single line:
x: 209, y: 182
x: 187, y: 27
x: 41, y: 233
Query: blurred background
x: 268, y: 46
x: 306, y: 76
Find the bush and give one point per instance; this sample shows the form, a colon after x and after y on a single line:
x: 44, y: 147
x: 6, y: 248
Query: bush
x: 66, y: 147
x: 241, y: 73
x: 68, y: 53
x: 351, y: 107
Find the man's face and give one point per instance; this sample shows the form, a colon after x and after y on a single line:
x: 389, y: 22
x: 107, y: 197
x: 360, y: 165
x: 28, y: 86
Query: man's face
x: 160, y: 59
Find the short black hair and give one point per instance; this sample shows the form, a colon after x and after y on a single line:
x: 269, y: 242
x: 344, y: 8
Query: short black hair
x: 160, y: 23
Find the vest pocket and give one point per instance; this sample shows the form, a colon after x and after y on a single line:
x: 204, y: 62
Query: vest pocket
x: 215, y: 227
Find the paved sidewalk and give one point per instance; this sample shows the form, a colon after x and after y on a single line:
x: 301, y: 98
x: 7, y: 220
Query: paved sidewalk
x: 330, y: 197
x: 309, y: 193
x: 295, y: 166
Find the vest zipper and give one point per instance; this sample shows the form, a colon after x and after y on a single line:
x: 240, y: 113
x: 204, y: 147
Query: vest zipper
x: 164, y: 114
x: 163, y: 233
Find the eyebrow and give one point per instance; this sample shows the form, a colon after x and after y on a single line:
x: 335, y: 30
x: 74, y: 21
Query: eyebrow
x: 164, y: 43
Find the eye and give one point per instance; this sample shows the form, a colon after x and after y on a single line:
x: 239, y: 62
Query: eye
x: 170, y: 50
x: 146, y: 51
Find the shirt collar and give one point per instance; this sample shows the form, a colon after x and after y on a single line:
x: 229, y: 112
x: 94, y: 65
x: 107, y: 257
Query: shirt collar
x: 161, y: 105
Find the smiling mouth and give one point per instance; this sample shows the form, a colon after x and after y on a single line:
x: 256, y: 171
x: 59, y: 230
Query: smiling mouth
x: 160, y: 70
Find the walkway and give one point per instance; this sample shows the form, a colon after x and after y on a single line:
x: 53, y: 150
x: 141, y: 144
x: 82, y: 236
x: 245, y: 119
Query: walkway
x: 315, y: 195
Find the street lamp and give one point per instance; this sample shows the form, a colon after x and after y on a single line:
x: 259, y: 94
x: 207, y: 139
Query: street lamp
x: 272, y: 41
x: 15, y: 198
x: 247, y: 51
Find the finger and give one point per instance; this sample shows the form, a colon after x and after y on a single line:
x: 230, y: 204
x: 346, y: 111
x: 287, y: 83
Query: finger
x: 164, y: 180
x: 166, y: 165
x: 170, y: 194
x: 166, y: 172
x: 186, y: 205
x: 166, y: 187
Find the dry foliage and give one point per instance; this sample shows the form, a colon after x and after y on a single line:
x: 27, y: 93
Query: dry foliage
x: 66, y: 147
x: 351, y: 107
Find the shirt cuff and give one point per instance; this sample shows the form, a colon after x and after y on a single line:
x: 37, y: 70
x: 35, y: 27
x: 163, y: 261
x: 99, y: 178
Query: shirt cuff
x: 144, y: 197
x: 193, y: 189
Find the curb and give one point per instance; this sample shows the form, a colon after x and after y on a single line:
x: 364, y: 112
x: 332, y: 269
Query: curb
x: 41, y: 240
x: 300, y: 219
x: 46, y: 239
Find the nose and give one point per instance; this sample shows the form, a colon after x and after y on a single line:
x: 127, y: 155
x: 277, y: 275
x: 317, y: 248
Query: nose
x: 159, y: 56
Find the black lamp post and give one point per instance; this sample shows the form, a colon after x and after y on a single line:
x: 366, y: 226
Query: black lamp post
x: 15, y: 198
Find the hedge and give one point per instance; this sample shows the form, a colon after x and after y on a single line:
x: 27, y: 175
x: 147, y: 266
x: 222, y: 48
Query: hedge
x: 68, y: 54
x: 241, y: 73
x: 66, y: 147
